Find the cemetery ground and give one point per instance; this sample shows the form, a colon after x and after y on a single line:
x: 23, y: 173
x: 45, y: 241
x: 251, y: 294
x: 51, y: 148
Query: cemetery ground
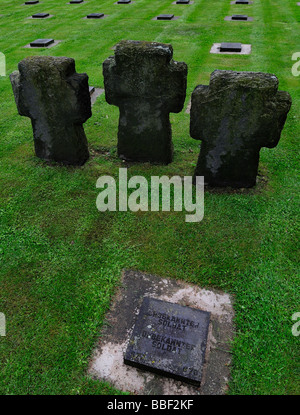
x: 61, y: 259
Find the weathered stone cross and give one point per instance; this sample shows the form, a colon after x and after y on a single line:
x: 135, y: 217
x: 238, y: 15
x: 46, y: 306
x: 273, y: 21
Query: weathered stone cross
x: 49, y: 91
x: 236, y: 115
x: 146, y: 84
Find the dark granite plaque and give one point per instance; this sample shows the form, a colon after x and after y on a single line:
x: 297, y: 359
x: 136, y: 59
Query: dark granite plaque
x: 76, y: 1
x: 231, y: 47
x: 95, y: 15
x: 40, y: 15
x: 242, y: 2
x: 32, y: 2
x: 165, y: 17
x: 41, y: 43
x: 239, y: 17
x: 182, y: 1
x: 124, y: 1
x: 169, y: 339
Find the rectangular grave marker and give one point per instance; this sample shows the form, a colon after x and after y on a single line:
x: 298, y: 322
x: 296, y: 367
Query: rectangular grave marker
x: 242, y: 2
x: 230, y: 47
x: 169, y: 339
x: 40, y: 15
x: 124, y: 1
x: 41, y: 43
x: 95, y: 15
x: 76, y: 1
x: 239, y: 17
x: 31, y: 2
x: 182, y: 1
x: 165, y: 17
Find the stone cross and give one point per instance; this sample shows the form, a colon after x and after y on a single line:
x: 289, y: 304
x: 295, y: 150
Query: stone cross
x: 236, y: 115
x: 56, y: 98
x: 146, y: 84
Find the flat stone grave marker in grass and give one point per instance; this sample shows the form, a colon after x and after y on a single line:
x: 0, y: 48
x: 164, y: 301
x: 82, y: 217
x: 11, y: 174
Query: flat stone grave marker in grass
x: 239, y: 17
x: 146, y: 84
x: 40, y: 15
x: 183, y: 2
x: 76, y: 1
x: 131, y: 319
x: 165, y: 17
x: 169, y: 339
x: 41, y: 43
x: 230, y: 47
x: 95, y: 93
x: 245, y: 2
x: 48, y: 90
x: 29, y: 2
x: 95, y: 16
x: 123, y: 1
x: 234, y: 117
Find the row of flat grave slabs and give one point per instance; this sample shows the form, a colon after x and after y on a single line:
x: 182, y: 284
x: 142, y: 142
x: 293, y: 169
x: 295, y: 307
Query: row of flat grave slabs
x: 101, y: 16
x: 227, y: 47
x: 47, y: 16
x: 30, y: 2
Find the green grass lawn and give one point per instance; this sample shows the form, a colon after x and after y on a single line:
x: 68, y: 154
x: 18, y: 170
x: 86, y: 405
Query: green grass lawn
x: 61, y: 259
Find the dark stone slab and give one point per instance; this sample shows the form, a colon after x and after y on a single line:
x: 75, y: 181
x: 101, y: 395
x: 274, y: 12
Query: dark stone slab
x: 242, y: 2
x: 182, y: 1
x: 41, y: 43
x: 230, y: 47
x: 123, y: 1
x: 169, y: 339
x: 40, y: 16
x: 95, y: 15
x: 239, y: 17
x: 76, y: 1
x: 31, y: 2
x: 165, y: 16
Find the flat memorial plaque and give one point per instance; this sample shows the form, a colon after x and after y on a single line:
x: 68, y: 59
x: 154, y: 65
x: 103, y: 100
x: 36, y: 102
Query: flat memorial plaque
x: 242, y: 2
x: 182, y: 1
x: 41, y: 43
x: 239, y: 17
x: 95, y: 15
x: 230, y: 47
x: 31, y: 2
x: 76, y: 1
x: 40, y: 15
x: 165, y: 17
x: 169, y: 339
x: 124, y: 1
